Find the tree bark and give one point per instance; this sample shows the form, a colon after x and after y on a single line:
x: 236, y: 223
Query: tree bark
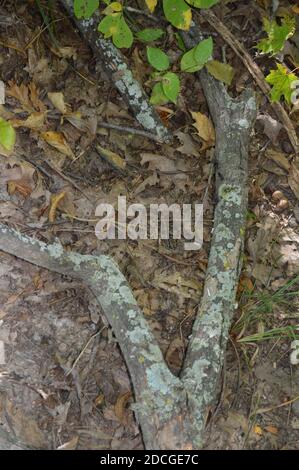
x: 172, y: 410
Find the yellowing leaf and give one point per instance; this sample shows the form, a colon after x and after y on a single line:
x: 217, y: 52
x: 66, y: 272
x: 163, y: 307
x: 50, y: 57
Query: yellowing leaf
x: 115, y: 25
x: 223, y: 72
x: 151, y: 5
x: 178, y: 13
x: 114, y: 7
x: 57, y: 99
x: 57, y: 140
x: 205, y: 128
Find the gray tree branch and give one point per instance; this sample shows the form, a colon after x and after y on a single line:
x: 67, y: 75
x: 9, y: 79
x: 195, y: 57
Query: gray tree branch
x: 172, y: 411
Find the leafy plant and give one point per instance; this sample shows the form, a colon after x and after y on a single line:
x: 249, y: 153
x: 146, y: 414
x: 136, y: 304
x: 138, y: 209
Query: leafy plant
x: 157, y: 58
x: 179, y: 15
x: 277, y: 34
x: 197, y: 57
x: 114, y: 25
x: 7, y: 135
x: 281, y: 80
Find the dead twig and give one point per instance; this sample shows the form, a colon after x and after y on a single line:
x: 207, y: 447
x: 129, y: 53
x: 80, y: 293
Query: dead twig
x: 130, y: 130
x: 69, y: 180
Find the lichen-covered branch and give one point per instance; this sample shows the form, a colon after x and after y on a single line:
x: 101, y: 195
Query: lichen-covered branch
x: 117, y: 68
x: 160, y: 398
x: 233, y: 120
x: 171, y: 411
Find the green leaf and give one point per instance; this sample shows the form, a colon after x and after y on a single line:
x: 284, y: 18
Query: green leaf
x: 157, y: 58
x: 171, y: 86
x: 223, y: 72
x: 202, y: 3
x: 158, y: 96
x: 115, y: 25
x: 7, y: 135
x: 277, y: 35
x: 196, y: 58
x: 150, y: 34
x: 123, y: 37
x: 178, y: 13
x: 85, y: 8
x: 180, y: 42
x: 109, y: 24
x: 281, y: 80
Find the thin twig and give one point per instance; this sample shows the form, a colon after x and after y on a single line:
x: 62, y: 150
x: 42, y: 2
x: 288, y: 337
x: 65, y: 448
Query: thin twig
x: 84, y: 349
x: 270, y: 408
x: 69, y: 180
x: 130, y: 130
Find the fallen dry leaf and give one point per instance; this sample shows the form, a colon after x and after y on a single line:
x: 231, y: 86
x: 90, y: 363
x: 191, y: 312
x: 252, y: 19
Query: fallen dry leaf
x: 66, y: 52
x: 34, y: 121
x: 19, y: 178
x: 257, y: 430
x: 188, y: 146
x: 28, y: 96
x: 112, y: 158
x: 279, y: 158
x: 70, y: 445
x: 271, y: 429
x: 57, y: 99
x: 57, y: 140
x: 271, y: 126
x: 55, y: 200
x: 120, y: 407
x: 205, y: 128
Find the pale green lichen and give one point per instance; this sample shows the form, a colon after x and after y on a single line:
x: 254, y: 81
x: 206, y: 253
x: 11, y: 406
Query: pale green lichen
x: 251, y: 104
x: 223, y: 233
x: 161, y: 380
x: 153, y: 353
x: 230, y: 193
x: 243, y: 123
x: 139, y: 335
x: 55, y: 250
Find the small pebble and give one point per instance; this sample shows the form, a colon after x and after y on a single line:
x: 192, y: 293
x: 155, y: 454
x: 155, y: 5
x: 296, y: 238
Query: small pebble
x: 277, y: 196
x: 282, y: 204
